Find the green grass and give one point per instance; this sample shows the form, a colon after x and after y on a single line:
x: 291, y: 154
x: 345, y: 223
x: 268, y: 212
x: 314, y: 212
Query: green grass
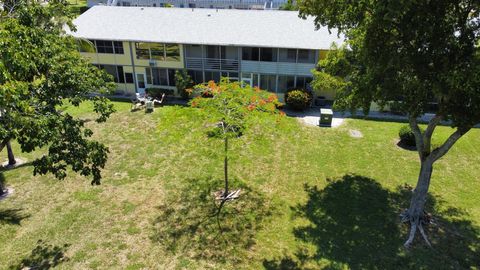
x: 313, y: 198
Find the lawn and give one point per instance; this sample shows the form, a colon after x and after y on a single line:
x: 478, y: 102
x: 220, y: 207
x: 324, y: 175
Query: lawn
x: 311, y: 198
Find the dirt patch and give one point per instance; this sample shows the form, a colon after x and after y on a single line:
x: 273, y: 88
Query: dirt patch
x: 7, y: 192
x: 355, y: 133
x: 19, y: 161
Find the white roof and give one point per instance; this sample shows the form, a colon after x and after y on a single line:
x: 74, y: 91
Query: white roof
x: 256, y: 28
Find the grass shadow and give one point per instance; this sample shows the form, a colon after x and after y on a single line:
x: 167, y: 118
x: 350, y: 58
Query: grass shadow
x: 42, y: 257
x: 6, y: 168
x: 405, y: 146
x: 3, y: 188
x: 353, y: 223
x: 12, y: 216
x: 187, y: 224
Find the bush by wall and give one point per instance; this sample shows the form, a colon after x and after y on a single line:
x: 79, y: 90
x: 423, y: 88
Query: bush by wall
x: 406, y: 136
x: 158, y: 92
x: 298, y: 99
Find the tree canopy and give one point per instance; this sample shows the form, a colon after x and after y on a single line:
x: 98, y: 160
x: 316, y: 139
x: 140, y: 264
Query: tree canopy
x: 414, y: 52
x: 41, y: 70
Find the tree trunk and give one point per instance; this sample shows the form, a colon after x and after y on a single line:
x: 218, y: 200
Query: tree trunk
x: 11, y: 157
x: 225, y: 168
x: 415, y: 214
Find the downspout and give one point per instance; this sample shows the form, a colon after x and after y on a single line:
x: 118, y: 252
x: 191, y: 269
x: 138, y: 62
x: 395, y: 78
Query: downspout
x: 133, y: 66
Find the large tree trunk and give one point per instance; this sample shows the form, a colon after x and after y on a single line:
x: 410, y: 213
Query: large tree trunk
x: 11, y: 157
x: 415, y: 214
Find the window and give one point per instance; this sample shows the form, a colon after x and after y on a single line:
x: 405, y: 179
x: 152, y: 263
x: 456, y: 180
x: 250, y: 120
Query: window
x: 112, y: 70
x: 171, y: 77
x: 306, y: 56
x: 121, y: 77
x: 250, y: 53
x: 148, y: 71
x: 142, y: 50
x: 288, y: 55
x: 172, y: 52
x: 197, y: 76
x: 157, y: 51
x: 159, y: 76
x: 212, y: 76
x: 104, y: 46
x: 303, y: 82
x: 118, y: 47
x: 268, y: 82
x: 128, y: 77
x: 285, y: 83
x: 268, y: 54
x: 212, y: 51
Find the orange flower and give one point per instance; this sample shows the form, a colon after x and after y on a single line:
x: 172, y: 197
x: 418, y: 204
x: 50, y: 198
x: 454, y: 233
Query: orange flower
x: 272, y: 98
x: 251, y: 107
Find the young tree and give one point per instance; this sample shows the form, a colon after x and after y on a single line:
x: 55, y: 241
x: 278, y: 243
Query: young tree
x: 184, y: 83
x: 231, y: 106
x: 415, y: 52
x: 40, y: 70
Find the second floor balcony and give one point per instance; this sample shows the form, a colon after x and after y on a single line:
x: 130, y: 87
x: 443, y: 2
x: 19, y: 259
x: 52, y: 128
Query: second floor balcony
x: 212, y: 63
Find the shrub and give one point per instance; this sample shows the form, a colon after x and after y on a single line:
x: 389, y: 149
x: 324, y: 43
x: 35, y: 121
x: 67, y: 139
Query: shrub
x: 158, y: 92
x: 298, y: 99
x: 406, y: 136
x: 184, y: 83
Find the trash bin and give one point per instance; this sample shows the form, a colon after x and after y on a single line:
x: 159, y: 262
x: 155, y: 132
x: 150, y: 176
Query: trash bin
x: 326, y: 116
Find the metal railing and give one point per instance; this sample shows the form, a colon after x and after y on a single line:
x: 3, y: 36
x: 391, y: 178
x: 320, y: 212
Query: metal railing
x: 212, y: 63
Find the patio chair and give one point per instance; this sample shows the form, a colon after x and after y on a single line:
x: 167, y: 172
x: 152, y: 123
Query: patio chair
x: 138, y: 102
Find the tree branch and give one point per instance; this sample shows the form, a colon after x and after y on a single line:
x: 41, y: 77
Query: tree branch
x: 418, y: 135
x: 443, y: 149
x: 427, y: 135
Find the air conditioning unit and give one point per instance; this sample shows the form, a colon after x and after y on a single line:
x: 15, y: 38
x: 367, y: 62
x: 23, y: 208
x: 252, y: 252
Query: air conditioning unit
x: 152, y: 63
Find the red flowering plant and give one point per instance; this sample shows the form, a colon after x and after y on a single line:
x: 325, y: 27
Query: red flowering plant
x: 232, y: 106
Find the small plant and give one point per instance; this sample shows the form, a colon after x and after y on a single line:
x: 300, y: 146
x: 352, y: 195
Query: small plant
x: 406, y: 136
x: 298, y: 99
x: 184, y: 83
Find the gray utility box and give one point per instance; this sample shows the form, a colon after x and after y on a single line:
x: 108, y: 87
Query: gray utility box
x: 326, y: 116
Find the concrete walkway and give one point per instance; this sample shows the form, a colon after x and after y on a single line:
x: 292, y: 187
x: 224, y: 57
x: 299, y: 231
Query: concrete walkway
x: 312, y: 117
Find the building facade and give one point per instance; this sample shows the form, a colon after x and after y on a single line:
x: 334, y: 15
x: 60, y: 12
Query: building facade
x: 138, y: 60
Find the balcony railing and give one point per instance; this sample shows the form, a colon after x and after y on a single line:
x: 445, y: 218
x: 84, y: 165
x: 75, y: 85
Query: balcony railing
x: 212, y: 63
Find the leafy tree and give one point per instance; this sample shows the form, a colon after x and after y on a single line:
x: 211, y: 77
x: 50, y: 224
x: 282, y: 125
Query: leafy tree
x: 414, y: 52
x: 41, y: 70
x: 184, y: 83
x: 231, y: 106
x: 289, y: 5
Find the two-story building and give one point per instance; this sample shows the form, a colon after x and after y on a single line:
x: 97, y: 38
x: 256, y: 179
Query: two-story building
x: 143, y: 47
